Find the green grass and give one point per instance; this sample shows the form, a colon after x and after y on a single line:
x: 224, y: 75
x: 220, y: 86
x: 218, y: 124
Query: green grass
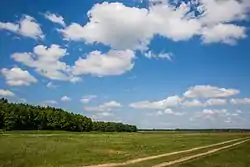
x: 234, y: 157
x: 64, y: 149
x: 153, y: 162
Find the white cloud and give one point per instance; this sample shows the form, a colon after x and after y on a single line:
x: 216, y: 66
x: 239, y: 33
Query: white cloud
x: 27, y: 26
x: 55, y: 18
x: 225, y: 33
x: 215, y: 102
x: 102, y: 116
x: 49, y: 102
x: 209, y: 102
x: 207, y: 91
x: 215, y: 11
x: 75, y: 80
x: 112, y: 104
x: 113, y: 63
x: 238, y: 111
x: 65, y: 98
x: 108, y: 106
x: 6, y: 93
x: 175, y: 23
x: 240, y: 101
x: 235, y: 114
x: 172, y: 101
x: 73, y: 32
x: 123, y: 27
x: 167, y: 111
x: 105, y: 114
x: 51, y: 85
x: 192, y: 103
x: 87, y: 99
x: 217, y: 117
x: 46, y: 61
x: 113, y: 24
x: 151, y: 55
x: 18, y: 77
x: 209, y: 112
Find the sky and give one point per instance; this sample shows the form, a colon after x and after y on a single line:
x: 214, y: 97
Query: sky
x: 151, y: 63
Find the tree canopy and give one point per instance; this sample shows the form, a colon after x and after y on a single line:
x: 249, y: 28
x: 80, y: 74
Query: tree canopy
x: 19, y: 116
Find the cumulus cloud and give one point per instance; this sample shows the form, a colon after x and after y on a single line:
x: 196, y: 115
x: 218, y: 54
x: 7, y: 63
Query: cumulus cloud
x: 88, y: 98
x: 240, y: 101
x: 113, y: 24
x: 209, y: 102
x: 207, y: 91
x: 215, y: 102
x: 55, y: 18
x: 213, y: 112
x: 50, y: 102
x: 104, y: 114
x: 6, y: 93
x: 75, y: 80
x: 51, y: 85
x: 65, y: 98
x: 27, y: 27
x: 167, y: 111
x: 46, y: 61
x: 108, y: 106
x: 151, y: 55
x: 225, y: 33
x: 217, y: 117
x: 238, y: 111
x: 114, y: 62
x: 214, y: 11
x: 124, y: 27
x: 192, y: 103
x: 18, y: 77
x: 171, y: 101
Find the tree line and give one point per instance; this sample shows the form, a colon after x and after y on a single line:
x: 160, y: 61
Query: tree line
x: 194, y: 130
x: 19, y: 116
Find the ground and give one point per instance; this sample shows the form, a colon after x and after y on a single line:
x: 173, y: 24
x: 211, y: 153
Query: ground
x: 65, y: 149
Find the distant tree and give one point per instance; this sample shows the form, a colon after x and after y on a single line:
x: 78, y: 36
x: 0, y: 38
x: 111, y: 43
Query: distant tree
x: 27, y: 117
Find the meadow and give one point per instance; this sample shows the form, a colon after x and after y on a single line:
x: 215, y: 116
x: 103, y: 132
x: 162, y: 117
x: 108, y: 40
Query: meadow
x: 65, y: 149
x: 236, y: 157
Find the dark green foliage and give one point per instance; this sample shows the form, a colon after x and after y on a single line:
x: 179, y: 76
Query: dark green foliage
x: 27, y: 117
x: 113, y: 127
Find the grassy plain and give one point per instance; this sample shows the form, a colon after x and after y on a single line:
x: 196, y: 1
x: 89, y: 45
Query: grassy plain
x: 234, y: 157
x: 67, y: 149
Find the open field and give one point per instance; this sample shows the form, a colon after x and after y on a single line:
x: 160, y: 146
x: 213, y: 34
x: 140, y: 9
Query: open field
x: 65, y: 149
x: 239, y: 157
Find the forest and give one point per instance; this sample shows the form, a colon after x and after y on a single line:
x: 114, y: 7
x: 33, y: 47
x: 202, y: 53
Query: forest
x: 19, y: 116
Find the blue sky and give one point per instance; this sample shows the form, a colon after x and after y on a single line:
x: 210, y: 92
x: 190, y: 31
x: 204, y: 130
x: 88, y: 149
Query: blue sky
x: 152, y: 63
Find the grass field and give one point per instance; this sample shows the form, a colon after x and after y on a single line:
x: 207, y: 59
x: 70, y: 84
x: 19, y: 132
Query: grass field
x: 64, y: 149
x: 236, y: 157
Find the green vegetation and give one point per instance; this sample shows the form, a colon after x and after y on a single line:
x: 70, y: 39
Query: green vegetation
x: 156, y: 161
x: 28, y: 117
x: 69, y: 149
x: 47, y: 141
x: 234, y: 157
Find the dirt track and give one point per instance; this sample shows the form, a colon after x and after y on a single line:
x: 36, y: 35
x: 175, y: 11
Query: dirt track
x: 165, y: 155
x: 164, y: 164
